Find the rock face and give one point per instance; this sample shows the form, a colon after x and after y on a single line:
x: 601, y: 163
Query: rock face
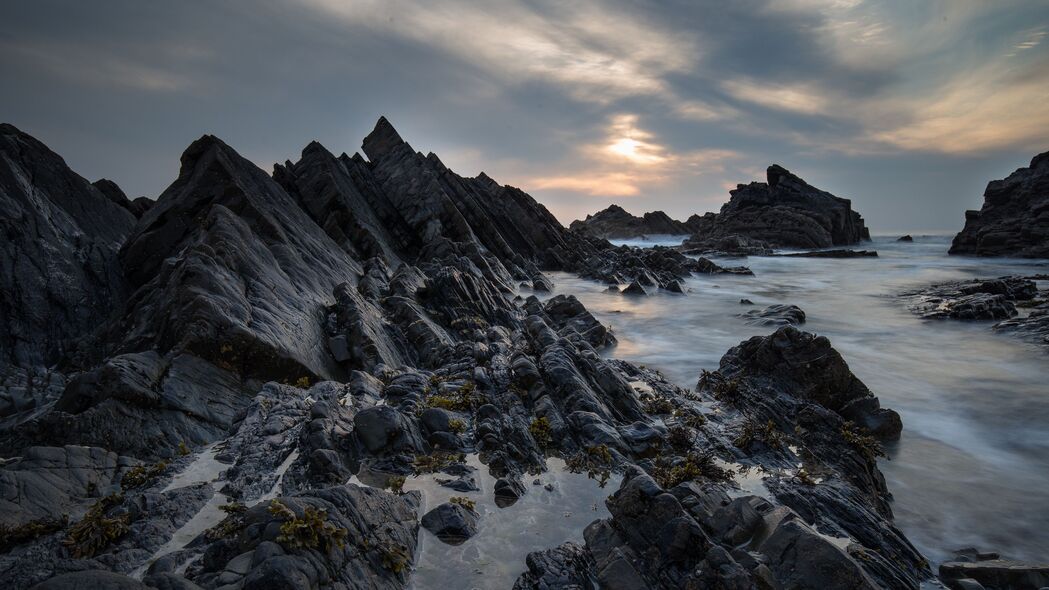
x: 271, y: 338
x: 615, y: 223
x: 58, y: 270
x: 1014, y: 219
x: 785, y: 212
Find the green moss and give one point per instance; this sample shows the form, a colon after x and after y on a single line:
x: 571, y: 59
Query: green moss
x: 97, y: 530
x: 463, y: 399
x: 541, y: 431
x: 436, y: 461
x: 34, y: 529
x: 141, y: 475
x: 595, y: 461
x: 694, y: 467
x: 395, y: 483
x: 312, y: 531
x: 395, y: 558
x: 680, y: 438
x: 862, y: 441
x: 756, y: 432
x: 456, y: 426
x: 464, y: 502
x: 657, y: 405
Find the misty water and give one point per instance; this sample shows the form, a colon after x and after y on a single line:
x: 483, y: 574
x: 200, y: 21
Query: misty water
x: 972, y: 465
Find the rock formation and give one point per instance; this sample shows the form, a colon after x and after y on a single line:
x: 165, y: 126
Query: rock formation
x: 1014, y: 219
x: 785, y: 212
x: 232, y: 390
x: 615, y: 223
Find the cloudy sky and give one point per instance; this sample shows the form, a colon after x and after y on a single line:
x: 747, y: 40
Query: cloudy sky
x: 906, y: 107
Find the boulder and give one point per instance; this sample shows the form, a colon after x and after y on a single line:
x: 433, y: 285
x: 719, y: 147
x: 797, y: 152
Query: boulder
x: 451, y: 523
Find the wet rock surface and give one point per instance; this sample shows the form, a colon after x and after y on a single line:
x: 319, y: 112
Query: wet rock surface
x: 1018, y: 305
x: 775, y: 315
x: 785, y: 212
x: 1014, y: 219
x: 291, y: 348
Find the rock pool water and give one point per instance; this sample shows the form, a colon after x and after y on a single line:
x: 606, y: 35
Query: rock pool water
x: 972, y: 466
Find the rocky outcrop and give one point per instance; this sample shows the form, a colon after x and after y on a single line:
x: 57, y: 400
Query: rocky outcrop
x: 615, y: 223
x: 1016, y: 303
x: 785, y: 212
x: 775, y: 315
x: 1014, y: 219
x: 292, y: 350
x: 791, y: 407
x: 59, y: 276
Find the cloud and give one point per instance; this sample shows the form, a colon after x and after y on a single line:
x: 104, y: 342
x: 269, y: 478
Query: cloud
x: 799, y: 97
x: 988, y: 109
x: 597, y: 53
x: 628, y: 161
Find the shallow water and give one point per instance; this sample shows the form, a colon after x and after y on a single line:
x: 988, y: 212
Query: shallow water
x: 494, y: 557
x: 972, y: 466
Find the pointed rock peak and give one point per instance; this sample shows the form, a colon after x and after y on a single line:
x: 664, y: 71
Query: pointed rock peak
x: 1040, y: 159
x: 112, y: 191
x: 486, y: 180
x: 381, y: 140
x: 316, y: 148
x: 9, y: 129
x: 777, y: 174
x: 199, y: 148
x: 616, y: 209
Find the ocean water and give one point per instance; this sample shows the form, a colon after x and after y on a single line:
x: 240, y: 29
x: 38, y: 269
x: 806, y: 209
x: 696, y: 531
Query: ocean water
x: 972, y: 465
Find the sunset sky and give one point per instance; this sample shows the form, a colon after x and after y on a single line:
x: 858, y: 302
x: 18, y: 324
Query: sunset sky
x: 907, y: 107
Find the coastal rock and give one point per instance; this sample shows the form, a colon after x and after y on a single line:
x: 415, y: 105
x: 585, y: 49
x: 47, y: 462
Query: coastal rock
x: 985, y: 299
x: 615, y: 223
x: 906, y: 238
x: 59, y: 274
x: 775, y: 315
x: 831, y: 254
x: 1014, y: 219
x: 785, y: 212
x: 725, y: 245
x: 451, y: 523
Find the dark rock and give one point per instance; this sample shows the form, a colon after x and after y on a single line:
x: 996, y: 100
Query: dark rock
x: 615, y: 223
x: 567, y: 566
x: 785, y: 212
x: 634, y: 289
x: 775, y: 315
x: 91, y: 580
x: 1014, y: 219
x: 451, y: 523
x: 59, y: 275
x: 831, y: 254
x: 384, y: 430
x: 906, y: 238
x: 980, y: 299
x: 725, y: 245
x: 997, y: 573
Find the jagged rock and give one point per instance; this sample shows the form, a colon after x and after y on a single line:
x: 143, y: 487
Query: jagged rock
x: 1014, y: 219
x: 634, y: 289
x: 110, y: 189
x: 906, y: 238
x: 373, y: 550
x: 615, y: 223
x: 90, y: 580
x: 785, y: 212
x: 980, y: 299
x: 59, y: 276
x: 775, y: 315
x: 451, y: 523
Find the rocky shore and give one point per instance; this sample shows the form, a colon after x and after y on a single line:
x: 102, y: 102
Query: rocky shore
x: 1016, y: 303
x: 1014, y: 219
x: 231, y: 387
